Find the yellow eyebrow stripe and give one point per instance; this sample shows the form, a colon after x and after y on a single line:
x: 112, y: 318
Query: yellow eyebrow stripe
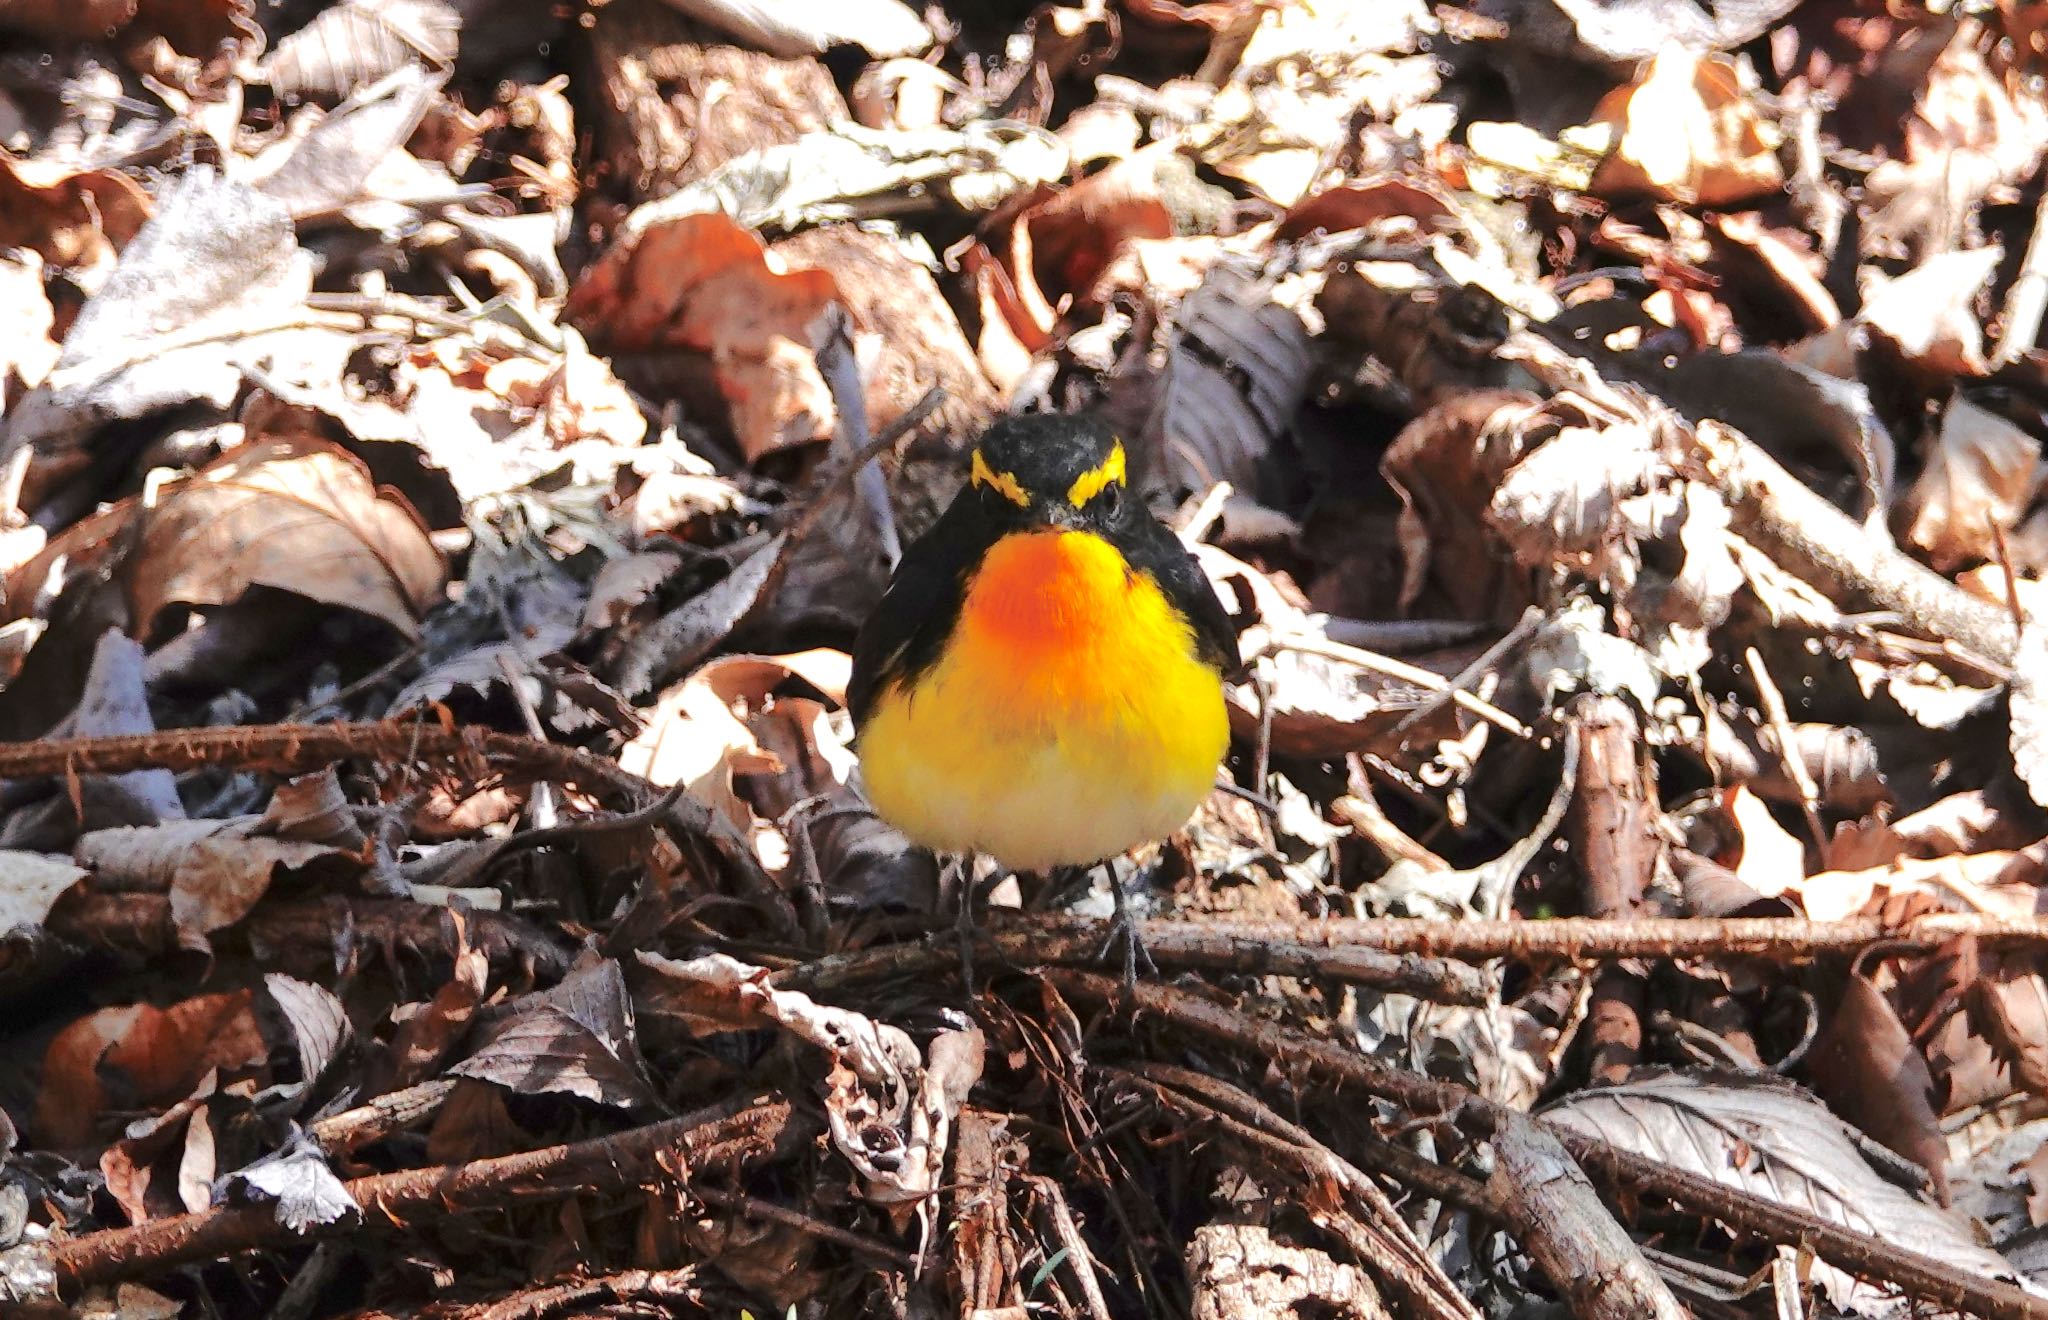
x: 1090, y: 483
x: 1001, y: 482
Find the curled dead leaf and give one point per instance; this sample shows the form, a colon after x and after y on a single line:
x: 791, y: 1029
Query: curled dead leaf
x: 142, y: 1057
x: 704, y: 283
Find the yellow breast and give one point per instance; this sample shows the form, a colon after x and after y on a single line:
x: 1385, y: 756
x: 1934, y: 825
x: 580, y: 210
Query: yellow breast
x: 1067, y: 719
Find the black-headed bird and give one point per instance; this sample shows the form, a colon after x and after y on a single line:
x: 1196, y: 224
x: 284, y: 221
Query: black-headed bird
x: 1043, y: 681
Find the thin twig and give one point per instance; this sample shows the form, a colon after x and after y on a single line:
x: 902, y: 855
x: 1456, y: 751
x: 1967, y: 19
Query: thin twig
x: 1401, y: 670
x: 1788, y: 749
x: 1470, y: 674
x: 295, y: 748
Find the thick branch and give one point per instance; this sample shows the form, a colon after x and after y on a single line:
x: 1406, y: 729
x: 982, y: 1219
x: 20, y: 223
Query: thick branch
x: 1781, y: 516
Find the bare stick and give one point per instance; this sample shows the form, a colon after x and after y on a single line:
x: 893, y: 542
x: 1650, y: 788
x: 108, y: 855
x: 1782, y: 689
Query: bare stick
x: 1788, y: 749
x: 1785, y: 519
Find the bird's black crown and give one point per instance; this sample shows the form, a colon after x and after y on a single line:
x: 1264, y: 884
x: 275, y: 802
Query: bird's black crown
x: 1045, y: 454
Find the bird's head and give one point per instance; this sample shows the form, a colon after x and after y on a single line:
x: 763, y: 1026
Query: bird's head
x: 1051, y: 470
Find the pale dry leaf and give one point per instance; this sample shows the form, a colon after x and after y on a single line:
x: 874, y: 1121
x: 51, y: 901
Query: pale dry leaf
x: 1928, y: 313
x: 1564, y: 497
x: 2028, y: 697
x: 853, y: 173
x: 1972, y: 134
x: 327, y: 160
x: 308, y: 522
x: 1773, y: 859
x: 299, y: 1181
x: 1320, y: 706
x: 30, y: 885
x: 725, y: 994
x: 1303, y: 81
x: 357, y: 42
x: 696, y: 734
x: 27, y: 351
x: 319, y: 1022
x: 791, y: 28
x: 576, y: 396
x: 1767, y: 1137
x: 214, y: 281
x: 1687, y: 131
x: 1621, y: 33
x: 1982, y: 473
x: 2000, y: 883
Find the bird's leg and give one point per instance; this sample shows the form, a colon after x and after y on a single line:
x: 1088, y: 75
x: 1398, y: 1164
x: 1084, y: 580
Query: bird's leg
x: 963, y: 926
x: 1123, y: 929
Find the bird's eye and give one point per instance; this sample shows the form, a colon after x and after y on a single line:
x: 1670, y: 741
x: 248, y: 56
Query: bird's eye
x: 1112, y: 499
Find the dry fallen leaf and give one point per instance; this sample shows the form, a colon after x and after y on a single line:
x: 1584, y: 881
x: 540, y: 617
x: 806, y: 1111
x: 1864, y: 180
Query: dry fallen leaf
x: 309, y: 522
x: 71, y: 218
x: 1870, y: 1072
x: 704, y: 283
x: 142, y: 1057
x: 1982, y: 473
x: 1972, y: 131
x: 1687, y: 131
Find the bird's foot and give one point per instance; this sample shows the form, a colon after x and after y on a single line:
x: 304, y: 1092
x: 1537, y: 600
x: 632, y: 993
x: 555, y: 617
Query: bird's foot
x: 1123, y: 932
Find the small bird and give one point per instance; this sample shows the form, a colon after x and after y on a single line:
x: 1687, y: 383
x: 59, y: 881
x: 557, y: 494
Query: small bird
x: 1043, y: 680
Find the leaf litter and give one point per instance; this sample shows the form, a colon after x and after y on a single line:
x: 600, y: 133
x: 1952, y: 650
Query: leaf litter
x: 436, y: 504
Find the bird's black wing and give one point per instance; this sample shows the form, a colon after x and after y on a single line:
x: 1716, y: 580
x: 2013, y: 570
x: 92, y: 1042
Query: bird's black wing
x: 904, y: 635
x: 1152, y: 547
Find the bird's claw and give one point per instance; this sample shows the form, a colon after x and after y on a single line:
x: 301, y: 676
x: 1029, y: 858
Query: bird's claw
x: 1123, y: 930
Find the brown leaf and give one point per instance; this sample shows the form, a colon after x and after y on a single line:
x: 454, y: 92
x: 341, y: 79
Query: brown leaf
x: 1687, y: 131
x: 474, y: 1124
x: 67, y: 20
x: 71, y: 218
x: 703, y: 283
x: 1871, y: 1073
x: 167, y: 1144
x: 307, y: 522
x: 1982, y: 472
x: 140, y: 1056
x: 1445, y: 476
x: 428, y: 1033
x: 216, y: 871
x: 576, y: 1039
x: 2012, y: 1007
